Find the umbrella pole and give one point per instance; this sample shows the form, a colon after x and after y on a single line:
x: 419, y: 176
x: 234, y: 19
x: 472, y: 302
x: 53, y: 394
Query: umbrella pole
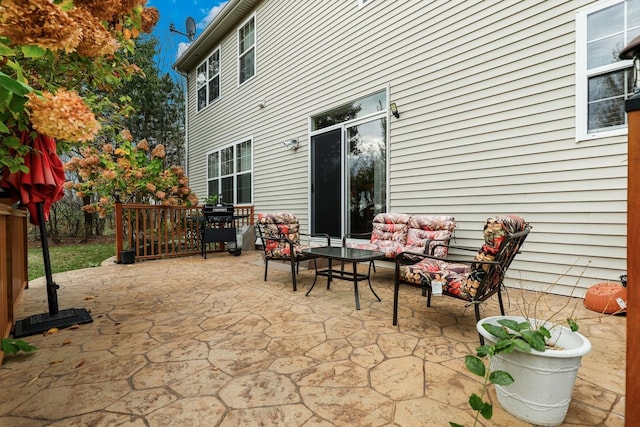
x: 52, y: 294
x: 39, y: 323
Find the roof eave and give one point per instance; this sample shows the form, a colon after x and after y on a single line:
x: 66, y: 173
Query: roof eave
x: 231, y: 15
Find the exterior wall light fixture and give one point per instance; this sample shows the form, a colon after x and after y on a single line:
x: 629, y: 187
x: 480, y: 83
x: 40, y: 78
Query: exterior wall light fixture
x: 632, y: 51
x: 394, y: 110
x: 291, y: 144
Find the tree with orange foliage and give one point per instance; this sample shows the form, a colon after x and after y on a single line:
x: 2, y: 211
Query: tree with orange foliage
x: 133, y: 171
x: 53, y: 53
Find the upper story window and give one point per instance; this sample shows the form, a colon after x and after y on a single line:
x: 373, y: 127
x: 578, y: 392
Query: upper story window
x: 208, y: 80
x: 247, y: 51
x: 230, y: 172
x: 602, y: 80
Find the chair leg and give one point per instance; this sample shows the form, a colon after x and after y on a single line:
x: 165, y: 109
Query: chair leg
x: 476, y: 308
x: 266, y: 266
x: 293, y: 273
x: 396, y: 289
x: 500, y: 301
x: 428, y: 296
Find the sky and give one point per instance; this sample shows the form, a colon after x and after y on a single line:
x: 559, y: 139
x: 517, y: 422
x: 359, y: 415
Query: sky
x: 176, y: 12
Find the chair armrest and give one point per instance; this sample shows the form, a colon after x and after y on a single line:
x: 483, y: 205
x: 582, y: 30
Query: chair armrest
x: 406, y: 258
x: 427, y: 246
x: 277, y: 239
x: 348, y: 235
x: 325, y: 235
x: 464, y: 248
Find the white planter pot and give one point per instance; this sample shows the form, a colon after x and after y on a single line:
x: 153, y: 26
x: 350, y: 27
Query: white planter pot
x: 543, y: 381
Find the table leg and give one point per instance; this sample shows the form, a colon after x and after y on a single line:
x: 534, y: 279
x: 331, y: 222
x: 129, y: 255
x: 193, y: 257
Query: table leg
x: 314, y: 282
x: 329, y: 275
x: 369, y: 280
x: 355, y: 284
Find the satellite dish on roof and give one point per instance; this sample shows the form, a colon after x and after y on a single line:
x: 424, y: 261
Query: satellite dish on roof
x: 190, y: 26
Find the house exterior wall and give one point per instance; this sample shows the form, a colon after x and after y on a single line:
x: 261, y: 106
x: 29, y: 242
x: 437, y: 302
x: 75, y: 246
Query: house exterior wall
x: 486, y: 94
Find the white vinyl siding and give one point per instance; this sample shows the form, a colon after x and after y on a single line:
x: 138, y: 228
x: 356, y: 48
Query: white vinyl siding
x: 486, y: 91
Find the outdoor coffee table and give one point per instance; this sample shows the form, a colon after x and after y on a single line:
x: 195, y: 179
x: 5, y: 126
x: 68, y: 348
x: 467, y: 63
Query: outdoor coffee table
x: 351, y: 255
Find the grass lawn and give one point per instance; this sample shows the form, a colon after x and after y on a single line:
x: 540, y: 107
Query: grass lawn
x: 69, y: 257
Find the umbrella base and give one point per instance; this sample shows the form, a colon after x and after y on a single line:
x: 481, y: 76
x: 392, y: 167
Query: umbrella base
x: 40, y: 323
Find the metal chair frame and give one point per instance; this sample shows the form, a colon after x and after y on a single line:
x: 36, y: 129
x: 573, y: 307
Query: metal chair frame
x: 492, y: 282
x: 296, y: 257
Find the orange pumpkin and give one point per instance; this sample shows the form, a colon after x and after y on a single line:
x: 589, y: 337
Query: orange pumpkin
x: 603, y: 298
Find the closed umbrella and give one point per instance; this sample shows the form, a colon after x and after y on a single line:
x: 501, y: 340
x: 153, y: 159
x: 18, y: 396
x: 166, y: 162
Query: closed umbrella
x: 37, y: 190
x: 43, y: 183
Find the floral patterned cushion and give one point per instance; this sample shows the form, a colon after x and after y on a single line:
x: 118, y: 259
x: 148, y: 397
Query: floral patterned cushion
x: 394, y: 233
x: 389, y: 234
x: 464, y: 280
x: 390, y: 227
x: 432, y: 229
x: 278, y: 226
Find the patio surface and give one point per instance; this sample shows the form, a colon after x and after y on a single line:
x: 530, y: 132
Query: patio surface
x: 189, y: 342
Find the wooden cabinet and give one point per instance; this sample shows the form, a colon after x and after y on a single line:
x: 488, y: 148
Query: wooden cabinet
x: 13, y: 263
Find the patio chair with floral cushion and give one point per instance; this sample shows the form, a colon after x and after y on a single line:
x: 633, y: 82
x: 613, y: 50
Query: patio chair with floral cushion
x: 279, y: 234
x: 472, y: 280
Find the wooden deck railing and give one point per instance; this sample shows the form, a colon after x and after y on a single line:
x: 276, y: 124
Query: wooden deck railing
x: 153, y: 231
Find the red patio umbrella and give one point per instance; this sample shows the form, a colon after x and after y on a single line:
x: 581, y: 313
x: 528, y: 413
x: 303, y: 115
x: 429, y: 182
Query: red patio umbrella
x: 37, y: 190
x: 43, y: 183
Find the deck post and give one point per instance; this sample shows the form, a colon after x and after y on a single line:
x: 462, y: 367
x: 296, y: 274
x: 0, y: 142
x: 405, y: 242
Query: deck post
x: 632, y: 412
x: 632, y: 107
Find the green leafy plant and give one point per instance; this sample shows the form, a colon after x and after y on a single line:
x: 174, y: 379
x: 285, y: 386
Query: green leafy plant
x: 510, y: 336
x: 211, y: 199
x: 13, y: 346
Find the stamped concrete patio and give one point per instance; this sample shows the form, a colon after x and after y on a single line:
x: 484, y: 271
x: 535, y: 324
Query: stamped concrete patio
x: 189, y: 342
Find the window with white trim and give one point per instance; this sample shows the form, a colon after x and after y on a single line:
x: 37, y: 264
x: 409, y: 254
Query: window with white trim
x: 247, y: 51
x: 230, y: 173
x: 208, y: 80
x: 603, y: 81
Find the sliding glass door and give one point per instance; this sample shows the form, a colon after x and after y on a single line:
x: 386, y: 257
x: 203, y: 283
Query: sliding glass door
x: 349, y: 166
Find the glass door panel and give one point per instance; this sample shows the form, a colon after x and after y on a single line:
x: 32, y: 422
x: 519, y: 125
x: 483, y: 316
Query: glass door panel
x: 366, y: 174
x: 326, y: 188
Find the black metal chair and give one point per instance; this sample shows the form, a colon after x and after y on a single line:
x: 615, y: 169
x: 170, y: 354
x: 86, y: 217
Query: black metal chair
x: 472, y: 280
x: 279, y: 235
